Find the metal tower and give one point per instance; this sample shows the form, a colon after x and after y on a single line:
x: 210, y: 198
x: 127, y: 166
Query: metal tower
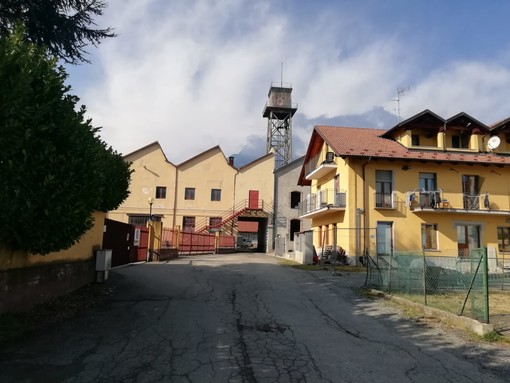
x: 279, y: 111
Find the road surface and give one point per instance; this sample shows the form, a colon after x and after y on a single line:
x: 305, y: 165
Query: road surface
x: 244, y: 318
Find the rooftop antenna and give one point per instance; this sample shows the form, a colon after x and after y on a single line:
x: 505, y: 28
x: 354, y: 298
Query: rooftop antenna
x: 400, y: 92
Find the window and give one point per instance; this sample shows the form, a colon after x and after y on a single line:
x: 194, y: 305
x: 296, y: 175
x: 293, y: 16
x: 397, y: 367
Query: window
x: 429, y: 236
x: 415, y: 140
x: 189, y: 193
x: 188, y: 224
x: 295, y: 227
x: 215, y: 194
x: 141, y: 220
x: 161, y: 192
x: 214, y: 224
x: 504, y: 238
x: 460, y: 141
x: 295, y: 198
x: 384, y: 189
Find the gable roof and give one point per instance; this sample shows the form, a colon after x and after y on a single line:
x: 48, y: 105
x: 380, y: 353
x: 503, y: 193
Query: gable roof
x: 155, y: 145
x: 372, y: 143
x: 428, y: 120
x: 204, y: 153
x: 463, y: 122
x: 425, y: 120
x: 503, y: 125
x: 255, y: 161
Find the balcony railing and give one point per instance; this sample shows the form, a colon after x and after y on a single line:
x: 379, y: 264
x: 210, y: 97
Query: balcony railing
x: 320, y: 165
x: 385, y: 200
x: 322, y: 201
x: 420, y: 200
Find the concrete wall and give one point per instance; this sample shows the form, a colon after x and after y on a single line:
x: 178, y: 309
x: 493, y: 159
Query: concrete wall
x: 286, y: 179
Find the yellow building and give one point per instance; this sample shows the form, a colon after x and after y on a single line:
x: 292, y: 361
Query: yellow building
x: 432, y: 184
x: 204, y: 193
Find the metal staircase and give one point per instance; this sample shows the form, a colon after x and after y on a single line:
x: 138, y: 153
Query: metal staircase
x: 228, y: 216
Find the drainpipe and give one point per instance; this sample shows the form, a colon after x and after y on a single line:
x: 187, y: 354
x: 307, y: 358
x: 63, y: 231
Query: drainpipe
x: 175, y: 197
x: 275, y: 209
x: 234, y: 204
x: 362, y: 211
x: 359, y: 212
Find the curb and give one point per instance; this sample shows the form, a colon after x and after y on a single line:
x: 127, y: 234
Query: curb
x: 462, y: 322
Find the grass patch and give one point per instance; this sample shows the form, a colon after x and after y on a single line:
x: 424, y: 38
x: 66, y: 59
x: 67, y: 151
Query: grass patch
x: 326, y: 267
x: 490, y: 337
x: 15, y: 325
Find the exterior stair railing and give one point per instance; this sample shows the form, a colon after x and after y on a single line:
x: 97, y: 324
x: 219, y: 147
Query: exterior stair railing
x: 229, y: 215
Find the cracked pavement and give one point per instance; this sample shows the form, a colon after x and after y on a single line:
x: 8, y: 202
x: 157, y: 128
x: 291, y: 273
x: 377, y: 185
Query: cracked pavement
x: 244, y: 318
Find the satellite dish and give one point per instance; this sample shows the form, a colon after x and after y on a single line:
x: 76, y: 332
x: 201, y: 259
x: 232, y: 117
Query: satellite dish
x: 493, y: 142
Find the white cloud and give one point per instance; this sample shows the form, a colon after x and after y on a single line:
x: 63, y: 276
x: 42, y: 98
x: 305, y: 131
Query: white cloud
x: 195, y: 74
x: 479, y: 89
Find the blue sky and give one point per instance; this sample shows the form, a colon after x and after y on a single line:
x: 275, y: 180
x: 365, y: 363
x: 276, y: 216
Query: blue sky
x: 194, y: 74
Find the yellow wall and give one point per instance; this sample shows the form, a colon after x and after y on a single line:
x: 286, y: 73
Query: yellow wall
x: 407, y: 222
x: 207, y: 171
x: 81, y: 251
x: 256, y: 176
x: 150, y: 169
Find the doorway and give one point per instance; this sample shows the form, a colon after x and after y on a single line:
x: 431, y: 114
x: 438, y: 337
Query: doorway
x: 384, y: 238
x: 468, y: 238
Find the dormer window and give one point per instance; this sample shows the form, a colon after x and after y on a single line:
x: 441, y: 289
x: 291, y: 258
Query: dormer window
x: 415, y: 140
x: 460, y: 141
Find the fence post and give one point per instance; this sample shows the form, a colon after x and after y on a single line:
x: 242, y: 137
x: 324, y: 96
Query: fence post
x: 424, y: 277
x: 389, y: 273
x: 485, y: 281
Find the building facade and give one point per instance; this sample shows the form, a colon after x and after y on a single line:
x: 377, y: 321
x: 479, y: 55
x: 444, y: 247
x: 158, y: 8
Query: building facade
x: 428, y: 184
x: 205, y: 193
x: 288, y: 195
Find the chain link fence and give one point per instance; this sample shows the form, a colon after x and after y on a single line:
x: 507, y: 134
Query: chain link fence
x: 451, y: 283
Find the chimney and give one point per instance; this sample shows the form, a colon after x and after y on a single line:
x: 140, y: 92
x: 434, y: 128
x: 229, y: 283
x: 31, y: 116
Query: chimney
x: 231, y: 160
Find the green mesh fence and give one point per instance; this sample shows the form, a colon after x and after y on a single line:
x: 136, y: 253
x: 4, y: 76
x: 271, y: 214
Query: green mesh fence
x: 452, y: 283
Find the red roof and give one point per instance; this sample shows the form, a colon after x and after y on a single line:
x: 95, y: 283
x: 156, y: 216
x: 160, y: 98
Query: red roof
x: 364, y: 142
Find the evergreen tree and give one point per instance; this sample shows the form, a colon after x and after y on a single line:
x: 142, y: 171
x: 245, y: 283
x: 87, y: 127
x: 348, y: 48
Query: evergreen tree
x: 54, y: 168
x: 64, y: 27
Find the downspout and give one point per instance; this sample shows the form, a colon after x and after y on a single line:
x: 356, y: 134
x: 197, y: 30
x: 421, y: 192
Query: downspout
x: 275, y: 212
x: 234, y: 203
x: 363, y: 210
x: 175, y: 197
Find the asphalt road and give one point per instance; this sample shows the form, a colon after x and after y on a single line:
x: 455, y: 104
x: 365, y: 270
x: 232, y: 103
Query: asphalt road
x: 244, y: 318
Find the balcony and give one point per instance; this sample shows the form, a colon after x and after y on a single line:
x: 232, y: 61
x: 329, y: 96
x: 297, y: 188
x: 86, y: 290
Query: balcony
x: 316, y: 169
x: 385, y: 200
x: 322, y: 203
x: 440, y: 201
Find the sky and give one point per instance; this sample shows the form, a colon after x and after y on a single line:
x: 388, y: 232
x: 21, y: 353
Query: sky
x: 193, y: 74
